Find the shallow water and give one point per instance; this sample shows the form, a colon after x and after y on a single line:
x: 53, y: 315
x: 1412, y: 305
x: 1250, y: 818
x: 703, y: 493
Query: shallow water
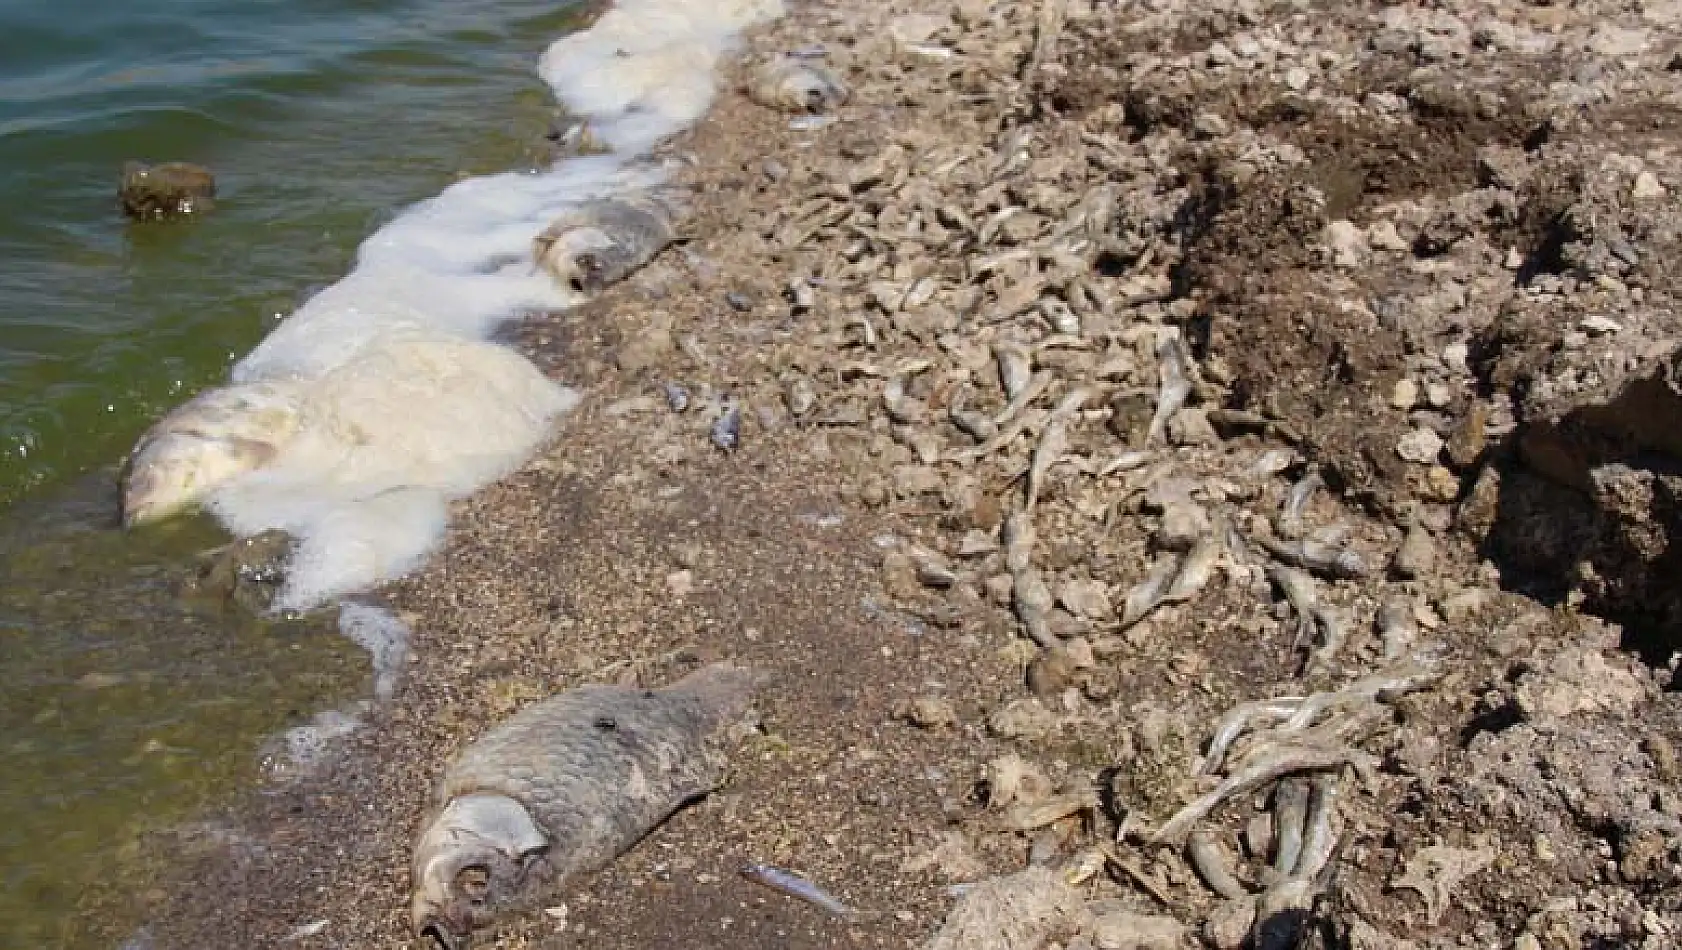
x: 125, y: 707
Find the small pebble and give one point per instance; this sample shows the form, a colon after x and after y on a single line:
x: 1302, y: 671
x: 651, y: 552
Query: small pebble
x: 1405, y: 395
x: 1421, y: 446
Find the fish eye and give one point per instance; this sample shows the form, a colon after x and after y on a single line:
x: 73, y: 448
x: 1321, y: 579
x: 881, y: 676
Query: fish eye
x: 474, y: 882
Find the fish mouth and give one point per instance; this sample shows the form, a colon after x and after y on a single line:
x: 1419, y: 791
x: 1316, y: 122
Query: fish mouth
x: 434, y: 935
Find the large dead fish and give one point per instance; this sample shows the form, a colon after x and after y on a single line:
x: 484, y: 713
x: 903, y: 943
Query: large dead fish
x: 599, y: 242
x: 562, y: 788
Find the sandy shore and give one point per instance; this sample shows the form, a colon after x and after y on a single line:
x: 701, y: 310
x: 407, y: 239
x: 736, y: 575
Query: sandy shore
x: 1344, y: 216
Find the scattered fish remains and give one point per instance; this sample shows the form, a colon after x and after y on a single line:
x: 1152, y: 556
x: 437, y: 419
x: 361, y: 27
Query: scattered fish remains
x: 563, y: 787
x: 167, y: 190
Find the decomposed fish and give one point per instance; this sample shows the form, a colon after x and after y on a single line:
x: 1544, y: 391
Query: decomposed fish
x: 1053, y: 440
x: 1146, y: 595
x: 205, y: 443
x: 1173, y: 388
x: 562, y: 788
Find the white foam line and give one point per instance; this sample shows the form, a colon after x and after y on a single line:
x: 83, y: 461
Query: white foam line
x: 406, y: 408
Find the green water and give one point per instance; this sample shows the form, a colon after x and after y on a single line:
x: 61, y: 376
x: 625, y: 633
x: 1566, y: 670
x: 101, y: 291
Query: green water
x: 125, y: 708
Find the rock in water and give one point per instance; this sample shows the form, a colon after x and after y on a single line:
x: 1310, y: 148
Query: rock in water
x: 562, y: 788
x: 152, y: 192
x: 600, y: 242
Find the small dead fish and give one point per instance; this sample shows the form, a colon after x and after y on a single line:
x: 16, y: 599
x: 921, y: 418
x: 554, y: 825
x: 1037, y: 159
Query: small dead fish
x: 1196, y: 569
x: 1298, y: 589
x: 787, y: 882
x: 811, y: 123
x: 1016, y: 368
x: 1334, y: 624
x: 564, y: 787
x: 1060, y: 316
x: 1327, y: 560
x: 1289, y: 523
x: 901, y: 408
x: 1146, y: 595
x: 1272, y: 462
x: 1033, y: 603
x: 1173, y: 386
x: 1018, y: 536
x: 677, y: 396
x: 1126, y: 462
x: 1053, y: 441
x: 1290, y: 810
x: 1214, y: 865
x: 977, y: 425
x: 727, y: 428
x: 1396, y: 628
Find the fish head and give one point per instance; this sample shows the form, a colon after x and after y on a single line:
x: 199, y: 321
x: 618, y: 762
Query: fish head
x: 477, y: 855
x: 176, y: 470
x: 575, y: 255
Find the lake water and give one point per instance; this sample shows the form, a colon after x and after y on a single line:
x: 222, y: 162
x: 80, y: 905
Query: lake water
x: 126, y: 708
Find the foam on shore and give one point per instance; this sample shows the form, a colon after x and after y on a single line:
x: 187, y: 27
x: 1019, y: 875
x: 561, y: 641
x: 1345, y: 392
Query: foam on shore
x: 405, y: 409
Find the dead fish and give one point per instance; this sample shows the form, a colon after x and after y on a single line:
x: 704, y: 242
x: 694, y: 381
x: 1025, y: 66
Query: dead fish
x: 1126, y: 462
x: 562, y: 788
x: 727, y: 428
x: 1146, y: 595
x: 677, y: 396
x: 1289, y: 523
x: 1053, y: 441
x: 1016, y: 368
x: 1173, y: 386
x: 797, y: 85
x: 1328, y: 560
x: 787, y: 882
x: 601, y: 241
x: 1033, y: 603
x: 977, y: 425
x: 1214, y: 865
x: 1298, y: 589
x: 1198, y: 566
x: 901, y: 408
x: 1272, y: 462
x: 1396, y: 628
x: 203, y: 444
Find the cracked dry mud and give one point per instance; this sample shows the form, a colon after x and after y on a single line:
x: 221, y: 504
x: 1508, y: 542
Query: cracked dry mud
x: 1412, y: 268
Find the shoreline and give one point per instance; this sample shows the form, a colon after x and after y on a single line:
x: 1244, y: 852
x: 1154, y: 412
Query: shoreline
x: 632, y: 549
